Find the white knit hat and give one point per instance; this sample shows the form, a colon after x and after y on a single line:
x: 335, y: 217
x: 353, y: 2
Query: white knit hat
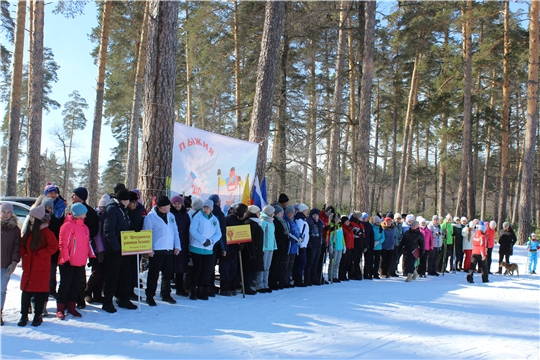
x: 302, y: 207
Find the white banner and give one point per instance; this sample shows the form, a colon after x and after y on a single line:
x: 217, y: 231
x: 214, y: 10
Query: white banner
x: 205, y: 163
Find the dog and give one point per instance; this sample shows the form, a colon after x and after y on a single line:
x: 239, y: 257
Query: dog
x: 510, y: 268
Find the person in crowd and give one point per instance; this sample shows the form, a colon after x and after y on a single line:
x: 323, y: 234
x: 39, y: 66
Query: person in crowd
x: 278, y: 269
x: 54, y: 225
x: 378, y: 242
x: 467, y: 233
x: 94, y: 286
x: 409, y: 218
x: 252, y: 254
x: 428, y: 246
x: 136, y: 219
x: 490, y: 237
x: 204, y: 233
x: 398, y: 221
x: 165, y: 245
x: 294, y: 243
x: 117, y: 188
x: 220, y: 248
x: 283, y: 200
x: 37, y: 246
x: 51, y: 191
x: 269, y: 246
x: 118, y: 280
x: 228, y: 265
x: 10, y: 249
x: 359, y: 230
x: 75, y: 249
x: 448, y: 241
x: 532, y: 248
x: 301, y: 260
x: 346, y: 264
x: 411, y: 243
x: 324, y: 216
x: 369, y: 245
x: 181, y: 260
x: 479, y: 253
x: 507, y: 240
x: 196, y: 206
x: 313, y: 250
x: 336, y: 248
x: 434, y: 258
x: 387, y: 254
x: 458, y: 242
x: 140, y: 205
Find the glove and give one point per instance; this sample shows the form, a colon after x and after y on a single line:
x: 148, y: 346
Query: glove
x: 176, y: 251
x: 344, y: 250
x: 331, y: 250
x: 207, y: 242
x: 377, y: 243
x: 101, y: 256
x: 11, y: 268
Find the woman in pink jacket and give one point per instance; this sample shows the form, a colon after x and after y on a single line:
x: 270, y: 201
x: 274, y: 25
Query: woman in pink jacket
x: 75, y: 249
x: 428, y: 246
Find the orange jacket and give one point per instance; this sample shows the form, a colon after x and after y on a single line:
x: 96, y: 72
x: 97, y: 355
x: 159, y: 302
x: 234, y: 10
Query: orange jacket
x: 479, y: 244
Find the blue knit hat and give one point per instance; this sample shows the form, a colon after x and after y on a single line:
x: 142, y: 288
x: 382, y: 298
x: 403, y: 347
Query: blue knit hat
x: 214, y: 198
x: 78, y: 209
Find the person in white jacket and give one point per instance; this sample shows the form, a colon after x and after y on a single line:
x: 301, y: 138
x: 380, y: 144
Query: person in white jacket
x: 468, y: 233
x: 204, y: 232
x: 165, y: 244
x: 434, y: 258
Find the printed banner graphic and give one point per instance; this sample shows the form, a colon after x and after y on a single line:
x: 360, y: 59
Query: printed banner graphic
x: 238, y: 234
x: 136, y: 242
x: 205, y: 163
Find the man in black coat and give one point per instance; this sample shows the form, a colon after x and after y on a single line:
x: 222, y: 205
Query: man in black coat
x: 507, y: 240
x: 228, y: 264
x: 369, y: 244
x: 411, y: 241
x: 220, y: 248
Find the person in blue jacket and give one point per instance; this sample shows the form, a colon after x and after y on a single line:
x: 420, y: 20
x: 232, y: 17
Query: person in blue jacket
x: 293, y: 245
x: 377, y: 245
x: 532, y: 247
x: 389, y: 231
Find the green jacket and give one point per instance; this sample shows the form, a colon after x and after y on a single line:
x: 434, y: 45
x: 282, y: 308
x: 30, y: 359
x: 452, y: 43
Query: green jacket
x: 448, y: 231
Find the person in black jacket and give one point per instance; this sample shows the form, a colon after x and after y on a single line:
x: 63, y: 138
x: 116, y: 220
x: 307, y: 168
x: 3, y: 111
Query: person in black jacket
x: 220, y: 248
x: 252, y: 253
x: 313, y: 248
x: 278, y: 270
x: 228, y: 265
x: 507, y: 240
x: 118, y: 270
x: 136, y: 218
x: 369, y: 244
x: 412, y: 240
x: 181, y: 261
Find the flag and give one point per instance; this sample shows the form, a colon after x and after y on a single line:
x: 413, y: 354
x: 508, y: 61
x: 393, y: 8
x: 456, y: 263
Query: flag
x: 246, y: 195
x: 257, y: 194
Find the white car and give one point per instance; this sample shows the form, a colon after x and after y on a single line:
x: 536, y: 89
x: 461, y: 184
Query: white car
x: 20, y: 210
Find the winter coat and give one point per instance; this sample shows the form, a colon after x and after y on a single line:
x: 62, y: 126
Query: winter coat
x: 369, y: 242
x: 269, y: 232
x: 399, y: 232
x: 532, y: 246
x: 479, y: 243
x: 389, y: 236
x: 468, y: 232
x: 36, y: 265
x: 59, y: 207
x: 203, y: 227
x: 348, y: 235
x: 436, y: 232
x: 448, y: 231
x: 378, y: 237
x: 136, y: 219
x: 428, y: 238
x: 10, y: 242
x: 282, y: 236
x: 164, y: 235
x: 222, y: 226
x: 490, y: 238
x: 457, y: 232
x: 294, y: 236
x: 183, y: 220
x: 98, y: 242
x: 507, y: 240
x: 337, y: 240
x: 315, y: 230
x: 255, y: 249
x: 411, y: 240
x: 116, y: 221
x: 303, y: 225
x: 74, y: 242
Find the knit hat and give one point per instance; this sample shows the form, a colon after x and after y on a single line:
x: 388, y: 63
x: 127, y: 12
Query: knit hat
x: 163, y: 201
x: 7, y: 206
x: 492, y: 224
x: 137, y: 191
x: 397, y: 216
x: 343, y: 219
x: 133, y: 196
x: 364, y: 216
x: 104, y: 200
x: 214, y: 198
x: 177, y: 198
x: 209, y: 204
x: 118, y: 187
x: 463, y: 219
x: 481, y: 227
x: 122, y: 195
x: 48, y: 202
x: 289, y: 209
x: 409, y: 217
x: 283, y: 198
x: 197, y: 204
x: 302, y: 207
x: 449, y: 217
x: 254, y: 209
x: 296, y: 206
x: 423, y: 221
x: 388, y: 218
x: 506, y: 225
x: 415, y: 223
x: 435, y: 217
x: 78, y: 209
x: 81, y: 192
x: 50, y: 188
x: 456, y: 219
x: 376, y: 219
x: 277, y: 209
x: 268, y: 210
x: 187, y: 201
x: 533, y: 234
x: 38, y: 212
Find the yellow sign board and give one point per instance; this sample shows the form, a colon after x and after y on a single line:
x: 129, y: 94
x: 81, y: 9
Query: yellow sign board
x: 136, y: 242
x: 238, y: 234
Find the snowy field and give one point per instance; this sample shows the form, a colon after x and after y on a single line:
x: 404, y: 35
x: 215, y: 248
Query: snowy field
x: 431, y: 318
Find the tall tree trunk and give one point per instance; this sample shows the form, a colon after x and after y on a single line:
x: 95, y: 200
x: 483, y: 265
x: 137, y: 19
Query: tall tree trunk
x: 365, y: 104
x: 488, y: 149
x: 505, y: 121
x: 351, y: 129
x: 395, y: 116
x: 15, y: 102
x: 266, y: 75
x: 237, y: 93
x: 189, y: 114
x: 375, y: 153
x: 98, y: 110
x: 331, y: 184
x: 281, y: 133
x: 466, y: 153
x: 159, y: 87
x: 35, y: 113
x: 406, y: 134
x: 517, y: 186
x: 525, y: 216
x: 312, y: 126
x: 132, y: 168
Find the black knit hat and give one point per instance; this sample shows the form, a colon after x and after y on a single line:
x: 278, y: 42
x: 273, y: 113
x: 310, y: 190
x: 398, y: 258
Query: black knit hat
x: 118, y: 187
x: 163, y: 201
x: 123, y: 195
x: 283, y: 198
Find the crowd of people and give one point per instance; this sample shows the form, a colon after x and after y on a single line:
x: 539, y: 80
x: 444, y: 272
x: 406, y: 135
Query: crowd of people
x: 291, y: 246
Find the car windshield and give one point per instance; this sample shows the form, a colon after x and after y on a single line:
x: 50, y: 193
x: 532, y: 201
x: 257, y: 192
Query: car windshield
x: 20, y: 212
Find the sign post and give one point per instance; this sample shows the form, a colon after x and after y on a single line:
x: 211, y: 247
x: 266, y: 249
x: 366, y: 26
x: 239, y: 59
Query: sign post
x: 239, y: 234
x: 136, y: 243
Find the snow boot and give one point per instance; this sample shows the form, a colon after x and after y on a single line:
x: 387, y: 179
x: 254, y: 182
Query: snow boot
x: 71, y: 309
x: 470, y: 278
x: 224, y: 290
x: 60, y: 311
x: 201, y: 294
x: 409, y: 278
x: 415, y: 275
x: 23, y: 321
x: 193, y: 293
x: 38, y: 319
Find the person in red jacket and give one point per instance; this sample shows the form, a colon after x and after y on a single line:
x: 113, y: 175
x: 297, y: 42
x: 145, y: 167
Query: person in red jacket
x: 74, y: 252
x: 346, y: 264
x: 479, y: 253
x: 37, y: 246
x: 490, y: 237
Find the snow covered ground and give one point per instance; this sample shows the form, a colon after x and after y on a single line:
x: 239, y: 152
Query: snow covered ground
x: 442, y: 317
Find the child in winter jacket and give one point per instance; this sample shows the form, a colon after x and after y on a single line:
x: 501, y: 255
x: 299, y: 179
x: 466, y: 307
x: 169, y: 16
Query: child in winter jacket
x: 337, y: 247
x: 532, y: 247
x: 75, y: 250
